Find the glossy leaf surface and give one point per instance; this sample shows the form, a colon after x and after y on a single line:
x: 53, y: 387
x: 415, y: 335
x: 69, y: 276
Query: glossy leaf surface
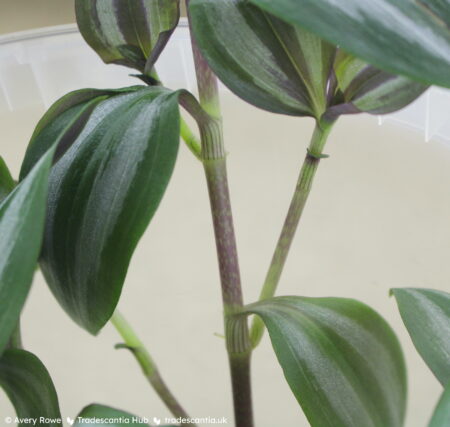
x: 371, y: 90
x: 127, y: 32
x: 441, y: 416
x: 7, y: 183
x: 341, y: 359
x: 63, y: 122
x: 291, y: 70
x: 100, y: 412
x: 411, y: 38
x: 28, y: 385
x: 22, y: 215
x: 426, y: 315
x: 263, y: 60
x: 103, y: 192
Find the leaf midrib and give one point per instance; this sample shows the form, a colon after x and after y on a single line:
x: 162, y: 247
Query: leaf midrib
x: 317, y: 109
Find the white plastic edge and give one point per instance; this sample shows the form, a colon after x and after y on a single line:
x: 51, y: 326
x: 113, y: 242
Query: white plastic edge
x: 38, y: 66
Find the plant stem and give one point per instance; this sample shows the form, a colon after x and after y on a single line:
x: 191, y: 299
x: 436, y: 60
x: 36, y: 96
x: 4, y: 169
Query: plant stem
x: 192, y: 142
x: 236, y: 331
x: 214, y: 161
x: 302, y: 190
x: 190, y: 139
x: 135, y: 345
x: 206, y: 81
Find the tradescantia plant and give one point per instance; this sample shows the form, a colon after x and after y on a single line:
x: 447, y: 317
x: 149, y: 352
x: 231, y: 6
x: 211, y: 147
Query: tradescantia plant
x: 99, y: 162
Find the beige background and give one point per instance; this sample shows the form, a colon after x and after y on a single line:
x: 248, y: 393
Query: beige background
x: 377, y: 218
x: 18, y: 15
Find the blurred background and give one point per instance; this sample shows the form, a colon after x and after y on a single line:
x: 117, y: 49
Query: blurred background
x: 377, y: 219
x: 19, y: 15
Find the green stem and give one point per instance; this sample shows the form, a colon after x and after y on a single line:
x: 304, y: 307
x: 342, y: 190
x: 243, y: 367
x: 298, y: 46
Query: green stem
x: 214, y: 162
x: 190, y: 139
x: 150, y: 370
x: 192, y: 142
x: 302, y: 190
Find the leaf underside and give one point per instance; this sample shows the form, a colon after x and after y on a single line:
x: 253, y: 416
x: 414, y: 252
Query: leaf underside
x: 128, y: 32
x: 410, y: 38
x: 291, y: 70
x: 371, y: 90
x: 276, y: 76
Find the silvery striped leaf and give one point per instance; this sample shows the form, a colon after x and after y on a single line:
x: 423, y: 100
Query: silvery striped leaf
x: 368, y: 89
x: 268, y: 63
x: 63, y: 122
x: 407, y: 37
x: 22, y: 216
x: 342, y: 361
x: 30, y: 389
x: 128, y: 32
x: 103, y: 191
x: 426, y: 315
x: 288, y: 70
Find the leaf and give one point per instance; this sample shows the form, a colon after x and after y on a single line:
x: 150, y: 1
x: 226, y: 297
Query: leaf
x: 410, y: 38
x: 22, y: 216
x: 7, y: 183
x: 104, y: 412
x: 28, y: 385
x: 441, y: 415
x: 263, y: 60
x: 426, y: 315
x: 368, y: 89
x: 341, y: 359
x: 290, y: 70
x: 63, y: 122
x: 103, y: 192
x: 128, y: 32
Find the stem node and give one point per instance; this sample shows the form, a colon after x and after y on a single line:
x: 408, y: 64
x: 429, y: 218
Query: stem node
x: 313, y: 156
x: 213, y: 156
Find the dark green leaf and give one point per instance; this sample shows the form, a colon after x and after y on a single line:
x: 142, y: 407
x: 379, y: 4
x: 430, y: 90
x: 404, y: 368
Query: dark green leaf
x: 128, y: 32
x: 63, y: 122
x: 411, y: 38
x: 341, y: 359
x: 426, y: 315
x: 371, y: 90
x: 22, y: 216
x: 290, y: 70
x: 28, y: 385
x: 115, y: 417
x: 103, y: 192
x: 7, y: 183
x: 441, y: 416
x: 263, y: 60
